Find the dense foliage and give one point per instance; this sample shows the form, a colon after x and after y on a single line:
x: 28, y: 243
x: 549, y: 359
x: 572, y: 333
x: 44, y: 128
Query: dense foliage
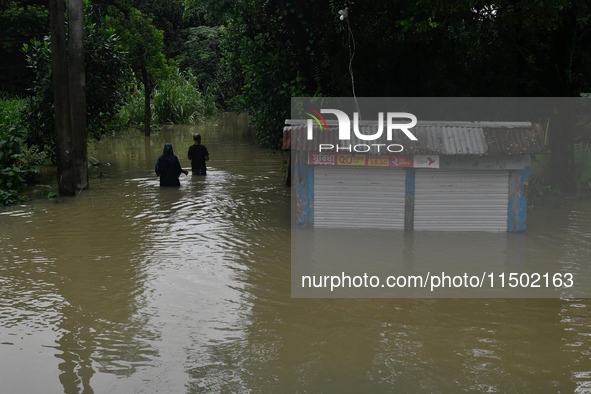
x: 201, y: 55
x: 106, y: 78
x: 279, y: 49
x: 176, y: 60
x: 19, y: 162
x: 20, y: 20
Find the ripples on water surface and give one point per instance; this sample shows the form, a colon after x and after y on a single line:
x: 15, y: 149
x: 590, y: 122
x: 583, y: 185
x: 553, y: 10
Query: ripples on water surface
x: 131, y: 288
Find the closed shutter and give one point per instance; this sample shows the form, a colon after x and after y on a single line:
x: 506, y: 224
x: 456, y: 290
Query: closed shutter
x: 358, y: 197
x: 461, y: 200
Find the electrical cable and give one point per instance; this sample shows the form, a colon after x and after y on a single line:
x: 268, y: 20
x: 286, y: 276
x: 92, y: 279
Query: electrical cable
x: 351, y: 43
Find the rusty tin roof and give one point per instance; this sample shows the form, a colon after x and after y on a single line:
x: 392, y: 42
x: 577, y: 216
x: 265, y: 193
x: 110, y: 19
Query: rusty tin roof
x: 442, y: 138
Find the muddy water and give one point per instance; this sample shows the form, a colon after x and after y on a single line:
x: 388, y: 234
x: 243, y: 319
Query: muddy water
x: 130, y: 288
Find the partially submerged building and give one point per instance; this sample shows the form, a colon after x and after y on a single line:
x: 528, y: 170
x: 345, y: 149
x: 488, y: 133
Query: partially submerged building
x: 457, y: 176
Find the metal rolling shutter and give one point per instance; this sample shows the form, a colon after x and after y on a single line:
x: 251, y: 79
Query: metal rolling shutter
x: 461, y: 200
x: 358, y: 197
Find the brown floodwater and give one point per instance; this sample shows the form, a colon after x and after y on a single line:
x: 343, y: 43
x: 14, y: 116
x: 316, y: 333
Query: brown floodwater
x: 129, y: 288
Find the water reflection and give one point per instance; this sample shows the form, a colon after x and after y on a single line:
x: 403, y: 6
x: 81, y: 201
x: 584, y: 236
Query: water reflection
x: 133, y: 288
x: 87, y: 280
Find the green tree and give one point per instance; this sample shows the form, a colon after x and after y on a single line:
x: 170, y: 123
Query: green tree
x: 20, y: 21
x: 274, y: 49
x: 515, y: 48
x: 201, y: 54
x: 167, y: 16
x: 106, y: 73
x: 143, y: 44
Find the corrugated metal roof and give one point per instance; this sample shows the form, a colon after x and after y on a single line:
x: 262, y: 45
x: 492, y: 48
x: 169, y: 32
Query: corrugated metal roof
x: 443, y: 138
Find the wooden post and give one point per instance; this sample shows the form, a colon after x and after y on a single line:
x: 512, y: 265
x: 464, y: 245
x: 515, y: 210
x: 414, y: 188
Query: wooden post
x: 147, y: 94
x: 409, y: 200
x: 59, y: 68
x: 77, y: 83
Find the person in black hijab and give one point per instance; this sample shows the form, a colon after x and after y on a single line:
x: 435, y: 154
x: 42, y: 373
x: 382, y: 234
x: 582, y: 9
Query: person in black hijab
x: 168, y: 167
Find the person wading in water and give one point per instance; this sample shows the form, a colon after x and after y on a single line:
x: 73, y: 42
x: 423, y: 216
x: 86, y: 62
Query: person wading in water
x: 168, y: 168
x: 198, y: 155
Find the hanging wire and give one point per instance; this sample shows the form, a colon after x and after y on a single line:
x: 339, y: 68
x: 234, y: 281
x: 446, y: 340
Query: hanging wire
x: 351, y: 42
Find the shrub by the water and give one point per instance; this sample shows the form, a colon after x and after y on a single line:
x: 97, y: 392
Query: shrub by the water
x: 18, y: 161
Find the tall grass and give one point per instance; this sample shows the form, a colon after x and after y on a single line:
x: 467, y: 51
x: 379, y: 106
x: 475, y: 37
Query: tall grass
x: 174, y: 100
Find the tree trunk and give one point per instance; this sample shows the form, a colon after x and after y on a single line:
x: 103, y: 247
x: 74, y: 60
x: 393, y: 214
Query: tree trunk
x: 147, y: 94
x: 59, y: 68
x: 77, y: 82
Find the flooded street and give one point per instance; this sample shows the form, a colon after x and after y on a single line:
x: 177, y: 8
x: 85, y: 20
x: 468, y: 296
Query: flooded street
x: 129, y: 288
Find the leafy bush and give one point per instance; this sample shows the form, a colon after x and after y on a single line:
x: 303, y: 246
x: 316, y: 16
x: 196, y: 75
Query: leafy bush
x: 107, y: 75
x: 132, y: 111
x: 18, y: 161
x: 38, y: 110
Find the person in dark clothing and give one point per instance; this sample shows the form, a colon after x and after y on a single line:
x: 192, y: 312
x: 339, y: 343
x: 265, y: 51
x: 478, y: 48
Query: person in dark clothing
x: 168, y: 167
x: 198, y: 155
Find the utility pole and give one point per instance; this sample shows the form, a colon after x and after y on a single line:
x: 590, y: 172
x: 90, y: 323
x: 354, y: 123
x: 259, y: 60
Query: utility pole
x: 69, y: 97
